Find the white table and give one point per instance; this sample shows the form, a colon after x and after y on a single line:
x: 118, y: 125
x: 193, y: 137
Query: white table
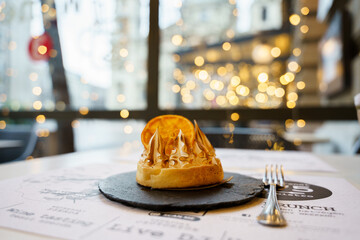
x: 348, y: 167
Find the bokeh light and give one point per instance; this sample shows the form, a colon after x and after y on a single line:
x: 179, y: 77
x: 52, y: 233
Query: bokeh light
x: 235, y: 116
x: 124, y: 113
x: 294, y: 19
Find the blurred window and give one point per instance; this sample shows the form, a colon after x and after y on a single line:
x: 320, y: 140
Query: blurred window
x: 210, y: 56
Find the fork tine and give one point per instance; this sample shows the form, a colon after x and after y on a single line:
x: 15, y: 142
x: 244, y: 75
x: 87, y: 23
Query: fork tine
x: 265, y: 178
x: 271, y: 174
x: 276, y: 171
x: 282, y: 180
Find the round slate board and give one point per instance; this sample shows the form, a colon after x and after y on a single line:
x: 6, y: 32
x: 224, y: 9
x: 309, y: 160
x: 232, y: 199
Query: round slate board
x: 124, y: 189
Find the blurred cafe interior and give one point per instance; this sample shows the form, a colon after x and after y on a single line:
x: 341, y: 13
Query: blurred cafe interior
x: 255, y: 74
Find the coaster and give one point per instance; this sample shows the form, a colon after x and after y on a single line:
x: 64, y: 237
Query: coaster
x: 124, y: 189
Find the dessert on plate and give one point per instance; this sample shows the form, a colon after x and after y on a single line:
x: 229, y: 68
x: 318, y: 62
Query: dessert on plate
x: 177, y: 154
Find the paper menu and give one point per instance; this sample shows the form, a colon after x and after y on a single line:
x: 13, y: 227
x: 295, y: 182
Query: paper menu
x: 252, y: 159
x: 66, y: 204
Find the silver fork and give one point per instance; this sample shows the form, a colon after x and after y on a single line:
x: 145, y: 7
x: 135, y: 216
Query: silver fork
x: 271, y: 214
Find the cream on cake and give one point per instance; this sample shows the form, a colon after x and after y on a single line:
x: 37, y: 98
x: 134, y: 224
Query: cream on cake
x: 179, y: 163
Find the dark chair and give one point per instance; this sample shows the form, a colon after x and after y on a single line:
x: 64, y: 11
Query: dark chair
x: 246, y: 138
x: 18, y: 140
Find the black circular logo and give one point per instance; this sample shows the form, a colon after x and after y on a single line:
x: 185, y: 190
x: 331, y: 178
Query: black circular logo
x: 298, y: 191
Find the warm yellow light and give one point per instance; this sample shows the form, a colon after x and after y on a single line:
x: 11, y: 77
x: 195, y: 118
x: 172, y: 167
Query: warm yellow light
x: 217, y: 85
x: 209, y: 95
x: 226, y: 46
x: 52, y: 12
x: 2, y: 124
x: 300, y: 85
x: 235, y: 117
x: 230, y: 94
x: 212, y: 55
x: 234, y: 100
x: 297, y: 141
x: 203, y: 75
x: 124, y: 52
x: 279, y: 92
x: 177, y: 73
x: 262, y: 77
x: 293, y: 66
x: 301, y: 123
x: 83, y: 110
x: 33, y: 76
x: 234, y: 81
x: 40, y: 118
x: 191, y: 84
x: 45, y: 8
x: 262, y: 54
x: 128, y: 129
x: 230, y: 33
x: 292, y: 96
x: 304, y: 28
x: 42, y: 49
x: 229, y: 67
x: 290, y: 104
x: 235, y: 12
x: 296, y: 52
x: 185, y: 91
x: 232, y: 2
x: 177, y: 40
x: 262, y: 87
x: 75, y: 124
x: 43, y: 132
x: 242, y: 90
x: 176, y: 57
x: 305, y: 11
x: 37, y: 91
x: 289, y: 123
x: 37, y: 105
x: 221, y: 100
x: 187, y: 98
x: 275, y: 52
x: 289, y: 77
x: 124, y: 113
x: 294, y: 19
x: 199, y: 61
x: 261, y: 98
x: 271, y: 90
x: 221, y: 71
x: 121, y: 98
x: 283, y: 80
x: 175, y: 88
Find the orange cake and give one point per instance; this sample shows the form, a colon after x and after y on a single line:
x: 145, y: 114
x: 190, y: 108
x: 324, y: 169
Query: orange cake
x: 176, y: 155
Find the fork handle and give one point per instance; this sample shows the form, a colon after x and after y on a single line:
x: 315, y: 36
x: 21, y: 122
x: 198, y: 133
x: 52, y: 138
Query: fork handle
x: 271, y: 214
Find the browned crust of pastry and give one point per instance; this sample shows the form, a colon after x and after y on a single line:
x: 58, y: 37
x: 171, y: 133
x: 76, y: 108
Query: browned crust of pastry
x: 179, y: 177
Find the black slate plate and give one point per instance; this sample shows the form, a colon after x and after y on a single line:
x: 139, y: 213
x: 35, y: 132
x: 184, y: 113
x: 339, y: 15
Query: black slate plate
x: 124, y: 189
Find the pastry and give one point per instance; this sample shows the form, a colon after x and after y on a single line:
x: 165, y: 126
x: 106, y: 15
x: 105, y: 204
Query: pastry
x: 176, y: 155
